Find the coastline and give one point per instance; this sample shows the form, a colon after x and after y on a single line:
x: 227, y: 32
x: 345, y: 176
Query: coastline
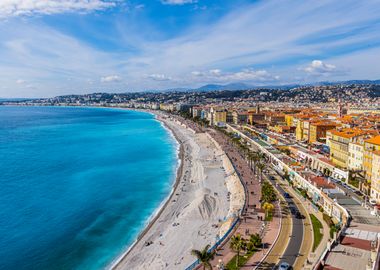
x: 198, y: 210
x: 207, y: 167
x: 156, y: 215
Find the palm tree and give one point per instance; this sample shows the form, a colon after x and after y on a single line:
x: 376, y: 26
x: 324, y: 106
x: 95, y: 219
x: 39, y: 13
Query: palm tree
x: 261, y: 166
x: 255, y: 239
x: 237, y: 244
x: 255, y: 159
x: 250, y: 157
x: 254, y: 242
x: 204, y: 257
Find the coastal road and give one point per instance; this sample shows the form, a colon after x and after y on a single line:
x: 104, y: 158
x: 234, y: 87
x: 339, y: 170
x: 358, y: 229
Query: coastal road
x: 293, y: 249
x: 300, y: 242
x: 278, y: 249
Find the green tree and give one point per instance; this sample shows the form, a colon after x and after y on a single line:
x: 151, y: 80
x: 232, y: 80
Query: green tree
x: 255, y: 159
x: 261, y: 167
x: 254, y: 242
x: 204, y: 257
x: 238, y: 244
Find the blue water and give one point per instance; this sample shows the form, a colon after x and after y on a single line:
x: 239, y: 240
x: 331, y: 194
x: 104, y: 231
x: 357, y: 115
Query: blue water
x: 78, y: 184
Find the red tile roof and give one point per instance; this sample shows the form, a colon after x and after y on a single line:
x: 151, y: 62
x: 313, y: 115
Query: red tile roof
x: 356, y: 243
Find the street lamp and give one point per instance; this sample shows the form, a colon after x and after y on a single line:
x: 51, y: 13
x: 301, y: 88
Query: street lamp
x: 220, y: 265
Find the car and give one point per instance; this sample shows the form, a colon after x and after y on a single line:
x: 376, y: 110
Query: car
x: 272, y: 178
x: 372, y: 202
x: 286, y: 195
x: 284, y: 266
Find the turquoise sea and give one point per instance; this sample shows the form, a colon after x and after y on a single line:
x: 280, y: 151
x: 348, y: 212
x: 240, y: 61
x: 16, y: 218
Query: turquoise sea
x: 77, y: 185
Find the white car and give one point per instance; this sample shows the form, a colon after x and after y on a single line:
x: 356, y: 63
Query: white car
x: 372, y: 202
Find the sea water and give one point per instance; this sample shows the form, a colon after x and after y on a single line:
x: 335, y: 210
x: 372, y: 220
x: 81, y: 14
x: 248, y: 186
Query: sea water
x: 77, y: 185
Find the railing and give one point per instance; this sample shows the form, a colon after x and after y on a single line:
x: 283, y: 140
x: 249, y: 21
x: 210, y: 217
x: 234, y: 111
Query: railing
x: 214, y: 247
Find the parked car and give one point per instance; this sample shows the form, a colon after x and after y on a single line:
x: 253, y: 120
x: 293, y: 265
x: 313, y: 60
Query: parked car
x: 372, y: 202
x: 284, y: 266
x: 286, y: 195
x: 299, y: 215
x: 357, y: 192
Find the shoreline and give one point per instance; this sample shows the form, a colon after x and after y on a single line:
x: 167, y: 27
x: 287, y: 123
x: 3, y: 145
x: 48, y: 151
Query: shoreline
x: 201, y: 159
x: 198, y: 210
x: 156, y: 215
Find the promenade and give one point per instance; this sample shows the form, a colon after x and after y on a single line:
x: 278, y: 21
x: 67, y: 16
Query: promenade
x: 250, y: 222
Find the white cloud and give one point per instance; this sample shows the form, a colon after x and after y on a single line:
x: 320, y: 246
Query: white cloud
x: 317, y: 67
x: 215, y: 72
x: 246, y: 75
x: 178, y: 2
x: 159, y: 77
x: 110, y: 78
x: 275, y: 36
x: 11, y: 8
x: 197, y: 73
x: 19, y: 81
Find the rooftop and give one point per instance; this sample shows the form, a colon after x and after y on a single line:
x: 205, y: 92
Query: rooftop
x: 374, y: 140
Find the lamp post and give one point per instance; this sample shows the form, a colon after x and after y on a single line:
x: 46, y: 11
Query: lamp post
x: 220, y: 265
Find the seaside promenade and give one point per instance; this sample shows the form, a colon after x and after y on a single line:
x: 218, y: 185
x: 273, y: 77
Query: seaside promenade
x: 252, y: 218
x: 200, y: 185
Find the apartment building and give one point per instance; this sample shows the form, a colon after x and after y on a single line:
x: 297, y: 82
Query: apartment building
x: 356, y: 156
x: 239, y: 117
x: 375, y: 176
x: 370, y: 145
x: 218, y: 116
x: 317, y: 130
x: 339, y: 142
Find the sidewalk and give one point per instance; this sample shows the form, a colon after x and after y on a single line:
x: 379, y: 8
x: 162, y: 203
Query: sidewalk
x: 249, y: 220
x: 274, y: 256
x: 270, y: 236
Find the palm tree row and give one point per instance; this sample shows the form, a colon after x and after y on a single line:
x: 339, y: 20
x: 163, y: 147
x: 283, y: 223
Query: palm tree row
x: 257, y: 162
x: 239, y: 244
x: 268, y: 194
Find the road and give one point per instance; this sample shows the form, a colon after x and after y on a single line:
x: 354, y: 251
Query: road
x: 294, y: 246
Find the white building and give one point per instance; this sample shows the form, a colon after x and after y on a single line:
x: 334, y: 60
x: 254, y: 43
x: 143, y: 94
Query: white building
x: 355, y: 158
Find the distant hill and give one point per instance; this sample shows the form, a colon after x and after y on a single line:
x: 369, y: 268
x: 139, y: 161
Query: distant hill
x: 15, y: 99
x: 244, y: 86
x: 230, y: 86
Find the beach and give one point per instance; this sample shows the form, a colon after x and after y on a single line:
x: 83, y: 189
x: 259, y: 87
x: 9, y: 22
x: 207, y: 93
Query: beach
x: 206, y: 196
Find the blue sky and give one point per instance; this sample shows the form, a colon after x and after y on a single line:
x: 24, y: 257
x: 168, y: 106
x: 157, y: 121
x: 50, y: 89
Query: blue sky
x: 54, y: 47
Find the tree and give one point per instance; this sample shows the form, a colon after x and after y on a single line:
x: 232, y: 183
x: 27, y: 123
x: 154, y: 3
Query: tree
x: 268, y: 193
x: 286, y: 175
x: 238, y: 244
x: 261, y: 167
x: 255, y: 159
x: 204, y: 257
x: 250, y: 157
x: 254, y: 242
x: 268, y: 207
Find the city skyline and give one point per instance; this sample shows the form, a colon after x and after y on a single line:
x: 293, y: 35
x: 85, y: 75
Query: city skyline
x: 52, y: 48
